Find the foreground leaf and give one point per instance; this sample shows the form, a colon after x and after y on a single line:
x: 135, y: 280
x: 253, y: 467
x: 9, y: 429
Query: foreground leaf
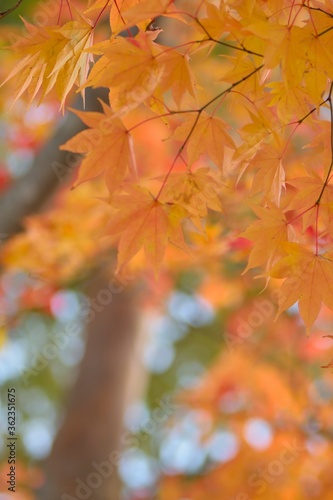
x: 107, y: 146
x: 309, y: 279
x: 52, y: 57
x: 142, y: 221
x: 206, y: 135
x: 268, y: 235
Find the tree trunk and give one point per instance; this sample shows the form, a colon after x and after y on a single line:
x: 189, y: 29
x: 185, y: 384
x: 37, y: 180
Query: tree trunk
x: 92, y: 429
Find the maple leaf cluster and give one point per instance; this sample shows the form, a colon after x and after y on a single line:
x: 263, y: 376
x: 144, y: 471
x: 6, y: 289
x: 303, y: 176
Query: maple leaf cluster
x: 243, y: 93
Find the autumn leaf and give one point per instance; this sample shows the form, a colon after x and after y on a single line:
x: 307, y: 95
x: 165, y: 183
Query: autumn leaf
x: 196, y: 192
x: 269, y: 177
x: 52, y: 57
x: 268, y: 235
x: 283, y: 46
x: 130, y: 69
x: 235, y: 68
x: 205, y: 134
x: 72, y: 64
x: 318, y: 48
x: 309, y: 279
x: 107, y: 145
x: 177, y: 74
x: 260, y: 128
x: 118, y: 9
x: 290, y: 102
x: 218, y: 21
x: 265, y: 67
x: 142, y: 221
x: 127, y: 13
x: 309, y: 190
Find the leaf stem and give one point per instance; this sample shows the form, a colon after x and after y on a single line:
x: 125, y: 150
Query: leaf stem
x: 60, y: 10
x: 225, y: 44
x: 329, y: 99
x: 69, y: 9
x: 317, y: 216
x: 178, y: 154
x: 8, y: 11
x: 123, y: 20
x: 300, y: 215
x: 100, y: 14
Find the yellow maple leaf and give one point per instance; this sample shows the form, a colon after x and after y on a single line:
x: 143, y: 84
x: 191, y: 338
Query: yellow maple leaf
x: 318, y: 49
x: 72, y: 64
x: 129, y: 67
x: 195, y: 192
x: 285, y: 46
x: 218, y: 21
x: 309, y: 189
x: 290, y: 102
x: 309, y: 279
x: 117, y: 12
x: 52, y: 57
x: 176, y: 74
x: 270, y: 175
x: 237, y: 68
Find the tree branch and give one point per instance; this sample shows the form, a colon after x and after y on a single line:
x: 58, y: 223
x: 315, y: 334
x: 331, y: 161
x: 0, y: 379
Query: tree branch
x: 8, y: 11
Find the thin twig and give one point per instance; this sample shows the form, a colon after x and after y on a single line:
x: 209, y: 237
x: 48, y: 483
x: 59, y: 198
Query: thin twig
x: 8, y: 11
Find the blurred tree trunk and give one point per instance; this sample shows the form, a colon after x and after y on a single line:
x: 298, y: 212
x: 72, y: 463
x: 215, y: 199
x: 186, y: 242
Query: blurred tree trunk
x: 92, y: 427
x: 109, y: 375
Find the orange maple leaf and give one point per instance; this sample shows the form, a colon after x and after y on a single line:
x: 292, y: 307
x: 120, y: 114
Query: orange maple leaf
x: 268, y: 235
x: 205, y: 135
x: 117, y: 12
x: 309, y: 279
x: 142, y: 221
x: 107, y: 145
x: 127, y: 13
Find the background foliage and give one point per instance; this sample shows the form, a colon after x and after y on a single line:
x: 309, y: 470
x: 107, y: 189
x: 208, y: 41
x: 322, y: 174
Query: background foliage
x: 209, y: 166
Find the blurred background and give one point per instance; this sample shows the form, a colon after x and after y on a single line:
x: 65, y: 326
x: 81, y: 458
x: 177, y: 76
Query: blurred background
x: 127, y: 388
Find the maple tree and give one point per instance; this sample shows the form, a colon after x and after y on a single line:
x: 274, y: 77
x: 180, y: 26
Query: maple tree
x: 273, y: 76
x: 216, y: 139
